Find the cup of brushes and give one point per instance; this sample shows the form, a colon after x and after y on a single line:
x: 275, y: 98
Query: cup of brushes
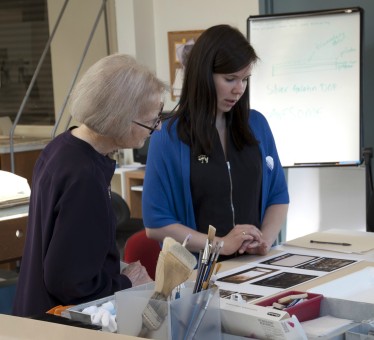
x: 155, y: 312
x: 174, y: 266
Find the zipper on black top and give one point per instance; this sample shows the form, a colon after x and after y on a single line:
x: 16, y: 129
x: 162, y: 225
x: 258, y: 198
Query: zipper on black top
x: 231, y: 200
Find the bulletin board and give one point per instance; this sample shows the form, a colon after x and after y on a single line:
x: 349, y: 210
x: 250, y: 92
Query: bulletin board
x: 307, y: 84
x: 180, y: 43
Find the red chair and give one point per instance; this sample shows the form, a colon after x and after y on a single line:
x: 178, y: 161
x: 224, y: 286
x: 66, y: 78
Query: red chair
x: 139, y: 247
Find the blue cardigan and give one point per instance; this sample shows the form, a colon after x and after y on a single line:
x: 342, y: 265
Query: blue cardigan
x: 167, y: 195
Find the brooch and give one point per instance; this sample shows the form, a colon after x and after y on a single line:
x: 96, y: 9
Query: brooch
x: 203, y: 159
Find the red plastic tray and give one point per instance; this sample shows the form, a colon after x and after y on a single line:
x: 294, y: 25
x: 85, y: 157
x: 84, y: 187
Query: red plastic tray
x: 306, y: 310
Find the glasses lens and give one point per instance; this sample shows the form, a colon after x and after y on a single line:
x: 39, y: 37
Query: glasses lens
x: 159, y: 118
x: 157, y: 123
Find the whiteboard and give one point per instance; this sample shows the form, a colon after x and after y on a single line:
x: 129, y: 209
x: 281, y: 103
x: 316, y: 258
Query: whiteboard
x: 307, y: 84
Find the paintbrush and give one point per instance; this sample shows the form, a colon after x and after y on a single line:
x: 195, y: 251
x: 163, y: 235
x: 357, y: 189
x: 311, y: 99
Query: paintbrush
x: 174, y: 266
x: 204, y: 261
x: 213, y: 278
x: 199, y: 309
x: 184, y: 244
x: 202, y: 268
x: 211, y: 236
x: 186, y: 240
x: 213, y: 264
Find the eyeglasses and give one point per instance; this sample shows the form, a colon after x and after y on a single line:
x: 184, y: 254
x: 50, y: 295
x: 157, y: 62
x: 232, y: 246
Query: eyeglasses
x: 155, y: 124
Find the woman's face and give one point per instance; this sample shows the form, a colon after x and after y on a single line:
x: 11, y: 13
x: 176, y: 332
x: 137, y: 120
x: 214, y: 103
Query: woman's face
x: 141, y: 128
x: 230, y: 87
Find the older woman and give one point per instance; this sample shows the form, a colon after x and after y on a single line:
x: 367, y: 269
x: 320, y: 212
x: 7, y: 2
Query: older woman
x: 70, y: 254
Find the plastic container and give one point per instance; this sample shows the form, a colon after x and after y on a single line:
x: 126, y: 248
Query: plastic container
x: 306, y: 310
x: 195, y: 314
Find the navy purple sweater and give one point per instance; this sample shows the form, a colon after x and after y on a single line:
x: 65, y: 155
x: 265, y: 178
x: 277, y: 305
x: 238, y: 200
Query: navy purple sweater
x: 70, y: 255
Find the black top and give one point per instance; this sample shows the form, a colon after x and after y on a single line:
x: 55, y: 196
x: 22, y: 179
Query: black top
x: 226, y: 192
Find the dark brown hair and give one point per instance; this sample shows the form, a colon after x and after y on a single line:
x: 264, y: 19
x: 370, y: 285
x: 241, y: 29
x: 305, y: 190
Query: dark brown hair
x: 220, y: 49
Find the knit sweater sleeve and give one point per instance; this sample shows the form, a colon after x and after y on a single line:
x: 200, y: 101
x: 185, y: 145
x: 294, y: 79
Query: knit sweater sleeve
x: 80, y: 262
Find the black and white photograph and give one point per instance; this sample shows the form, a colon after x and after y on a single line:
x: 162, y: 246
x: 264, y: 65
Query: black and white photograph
x: 326, y: 264
x: 236, y: 296
x: 284, y: 280
x: 247, y: 275
x: 289, y: 260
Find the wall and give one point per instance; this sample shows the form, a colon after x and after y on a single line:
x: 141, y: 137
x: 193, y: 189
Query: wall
x: 142, y: 26
x: 67, y: 49
x: 325, y: 198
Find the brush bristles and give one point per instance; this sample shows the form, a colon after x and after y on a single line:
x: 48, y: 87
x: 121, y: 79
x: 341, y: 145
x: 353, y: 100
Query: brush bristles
x: 183, y: 255
x: 179, y: 252
x: 167, y: 243
x: 174, y: 266
x: 211, y: 234
x: 159, y: 274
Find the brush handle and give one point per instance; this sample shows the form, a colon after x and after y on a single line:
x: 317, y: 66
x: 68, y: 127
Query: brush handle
x: 199, y: 265
x: 200, y: 277
x: 199, y: 312
x: 154, y: 314
x: 207, y: 279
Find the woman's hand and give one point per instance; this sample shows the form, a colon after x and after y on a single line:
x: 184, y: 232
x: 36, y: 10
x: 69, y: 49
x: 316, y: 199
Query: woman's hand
x: 136, y: 273
x: 240, y: 238
x: 257, y: 248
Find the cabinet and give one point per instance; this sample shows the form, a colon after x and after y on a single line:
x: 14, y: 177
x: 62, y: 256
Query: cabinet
x: 118, y: 183
x: 134, y: 188
x: 26, y: 152
x: 23, y: 163
x: 12, y: 235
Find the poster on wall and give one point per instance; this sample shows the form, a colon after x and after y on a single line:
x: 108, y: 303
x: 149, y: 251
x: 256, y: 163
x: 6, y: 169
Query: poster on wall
x: 180, y: 44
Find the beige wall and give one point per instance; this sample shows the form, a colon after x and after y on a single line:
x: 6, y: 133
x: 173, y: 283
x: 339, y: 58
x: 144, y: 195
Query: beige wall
x: 146, y: 34
x: 140, y: 29
x: 67, y: 49
x: 70, y: 41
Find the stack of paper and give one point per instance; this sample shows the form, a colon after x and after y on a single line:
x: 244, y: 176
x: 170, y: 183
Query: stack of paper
x: 14, y: 189
x: 339, y: 241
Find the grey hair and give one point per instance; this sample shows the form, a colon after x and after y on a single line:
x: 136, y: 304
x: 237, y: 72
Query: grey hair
x: 113, y: 92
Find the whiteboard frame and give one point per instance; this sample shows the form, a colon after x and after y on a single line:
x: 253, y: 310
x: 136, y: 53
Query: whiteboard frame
x: 332, y: 163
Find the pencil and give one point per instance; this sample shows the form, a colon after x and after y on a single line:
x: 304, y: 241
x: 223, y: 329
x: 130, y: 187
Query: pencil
x: 333, y: 243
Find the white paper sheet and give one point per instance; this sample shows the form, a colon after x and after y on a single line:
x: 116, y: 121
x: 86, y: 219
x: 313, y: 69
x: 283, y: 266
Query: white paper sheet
x: 14, y: 189
x: 358, y: 286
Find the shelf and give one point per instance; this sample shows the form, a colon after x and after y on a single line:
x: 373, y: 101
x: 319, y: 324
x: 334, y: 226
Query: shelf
x: 134, y: 187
